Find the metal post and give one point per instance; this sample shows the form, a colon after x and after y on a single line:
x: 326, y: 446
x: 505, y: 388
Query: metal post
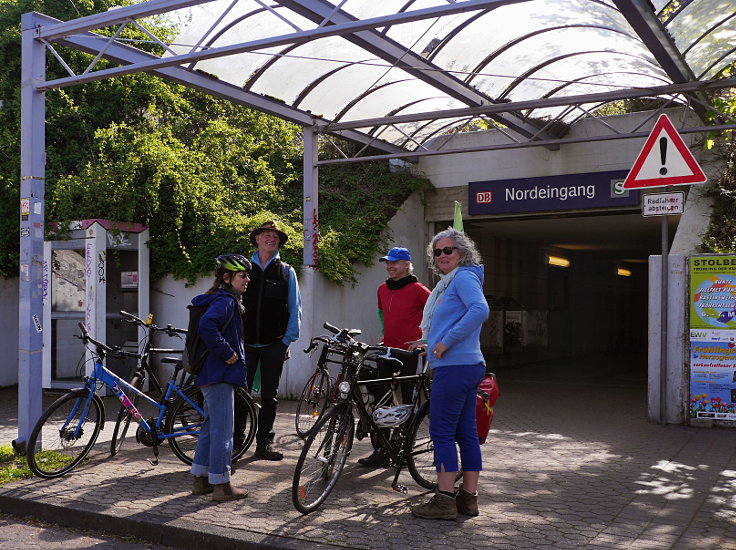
x: 32, y: 183
x: 310, y: 202
x: 663, y: 325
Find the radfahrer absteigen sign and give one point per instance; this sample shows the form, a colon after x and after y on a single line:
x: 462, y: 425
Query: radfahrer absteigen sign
x: 713, y: 337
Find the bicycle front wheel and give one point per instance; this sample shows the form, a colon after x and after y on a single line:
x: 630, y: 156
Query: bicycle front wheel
x: 313, y: 402
x: 322, y: 459
x: 124, y: 418
x: 65, y: 434
x: 185, y: 421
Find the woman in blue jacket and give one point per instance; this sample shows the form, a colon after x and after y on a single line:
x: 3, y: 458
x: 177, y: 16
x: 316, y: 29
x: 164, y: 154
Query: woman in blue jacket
x: 221, y: 329
x: 451, y: 324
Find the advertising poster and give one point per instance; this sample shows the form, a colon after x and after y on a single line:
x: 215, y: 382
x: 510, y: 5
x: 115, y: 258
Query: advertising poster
x: 713, y: 337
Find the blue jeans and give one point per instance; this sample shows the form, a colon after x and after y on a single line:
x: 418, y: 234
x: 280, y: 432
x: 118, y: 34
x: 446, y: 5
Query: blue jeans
x: 213, y: 455
x: 452, y: 417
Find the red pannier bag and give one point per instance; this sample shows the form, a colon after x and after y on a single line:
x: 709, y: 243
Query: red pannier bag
x: 485, y: 398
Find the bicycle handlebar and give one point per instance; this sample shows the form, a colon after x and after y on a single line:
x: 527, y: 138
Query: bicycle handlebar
x: 168, y: 329
x: 116, y: 351
x: 344, y: 337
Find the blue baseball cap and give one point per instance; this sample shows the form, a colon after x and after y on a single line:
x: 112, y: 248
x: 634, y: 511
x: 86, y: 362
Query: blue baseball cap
x: 396, y: 253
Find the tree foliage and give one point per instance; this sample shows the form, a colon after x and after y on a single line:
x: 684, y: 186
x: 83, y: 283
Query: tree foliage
x: 721, y: 235
x: 199, y: 171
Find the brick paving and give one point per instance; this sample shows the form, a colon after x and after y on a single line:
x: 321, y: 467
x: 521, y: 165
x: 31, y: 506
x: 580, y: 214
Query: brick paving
x: 571, y: 465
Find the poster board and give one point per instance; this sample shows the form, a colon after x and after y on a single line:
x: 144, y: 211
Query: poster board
x: 713, y: 337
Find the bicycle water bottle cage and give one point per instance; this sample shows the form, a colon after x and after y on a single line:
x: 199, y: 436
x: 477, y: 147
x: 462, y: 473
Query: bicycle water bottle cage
x: 390, y: 417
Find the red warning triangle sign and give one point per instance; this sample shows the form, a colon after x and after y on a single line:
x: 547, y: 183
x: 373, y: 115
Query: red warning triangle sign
x: 664, y: 160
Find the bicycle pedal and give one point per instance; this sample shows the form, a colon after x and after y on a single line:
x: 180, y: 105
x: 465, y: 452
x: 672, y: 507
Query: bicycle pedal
x: 153, y: 461
x: 399, y: 488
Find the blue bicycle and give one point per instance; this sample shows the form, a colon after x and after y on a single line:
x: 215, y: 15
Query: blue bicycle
x: 66, y: 432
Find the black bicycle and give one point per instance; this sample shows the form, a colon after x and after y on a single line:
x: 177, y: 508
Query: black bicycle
x: 143, y: 373
x: 330, y: 442
x: 320, y: 391
x: 185, y: 414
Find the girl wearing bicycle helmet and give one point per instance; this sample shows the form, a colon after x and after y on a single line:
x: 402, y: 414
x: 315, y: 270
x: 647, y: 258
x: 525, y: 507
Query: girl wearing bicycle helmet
x: 221, y: 329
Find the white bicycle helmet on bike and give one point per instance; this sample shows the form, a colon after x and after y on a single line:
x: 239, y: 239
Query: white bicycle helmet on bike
x: 390, y: 417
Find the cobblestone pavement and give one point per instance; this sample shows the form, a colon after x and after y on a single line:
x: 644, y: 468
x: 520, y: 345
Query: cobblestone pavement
x: 572, y: 465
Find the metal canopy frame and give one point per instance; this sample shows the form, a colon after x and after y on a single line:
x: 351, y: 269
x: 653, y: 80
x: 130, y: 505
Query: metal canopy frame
x: 531, y: 110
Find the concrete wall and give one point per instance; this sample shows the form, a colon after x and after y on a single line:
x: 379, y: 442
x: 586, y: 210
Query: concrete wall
x: 669, y: 381
x: 9, y: 331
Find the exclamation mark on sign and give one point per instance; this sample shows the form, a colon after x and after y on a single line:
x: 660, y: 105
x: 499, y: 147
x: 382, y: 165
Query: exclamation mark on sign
x: 663, y: 154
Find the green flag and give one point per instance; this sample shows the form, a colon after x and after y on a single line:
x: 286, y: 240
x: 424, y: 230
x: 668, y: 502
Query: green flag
x: 458, y: 222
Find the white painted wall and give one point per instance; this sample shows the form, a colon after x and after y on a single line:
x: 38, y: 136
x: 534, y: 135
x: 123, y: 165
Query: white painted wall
x: 9, y: 331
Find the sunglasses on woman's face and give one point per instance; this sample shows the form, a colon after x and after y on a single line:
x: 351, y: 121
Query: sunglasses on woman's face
x: 446, y: 251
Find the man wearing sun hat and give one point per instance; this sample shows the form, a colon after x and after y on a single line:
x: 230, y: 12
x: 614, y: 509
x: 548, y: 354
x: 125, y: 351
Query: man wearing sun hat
x: 273, y: 310
x: 401, y: 302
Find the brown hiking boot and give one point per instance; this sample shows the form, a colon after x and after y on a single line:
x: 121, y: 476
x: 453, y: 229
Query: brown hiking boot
x: 201, y: 486
x: 467, y: 502
x: 440, y: 506
x: 225, y: 492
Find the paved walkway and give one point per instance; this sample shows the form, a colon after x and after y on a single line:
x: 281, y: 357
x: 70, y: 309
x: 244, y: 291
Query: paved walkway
x: 568, y: 465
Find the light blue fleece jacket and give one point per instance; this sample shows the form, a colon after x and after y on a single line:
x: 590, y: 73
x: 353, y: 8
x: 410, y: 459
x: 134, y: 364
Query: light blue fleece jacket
x: 457, y: 319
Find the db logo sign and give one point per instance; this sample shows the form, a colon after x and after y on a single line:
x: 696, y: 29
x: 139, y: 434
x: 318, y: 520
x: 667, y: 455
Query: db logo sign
x: 484, y: 197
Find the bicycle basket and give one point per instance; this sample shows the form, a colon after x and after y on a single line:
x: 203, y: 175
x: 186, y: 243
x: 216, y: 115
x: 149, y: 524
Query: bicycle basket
x: 390, y: 417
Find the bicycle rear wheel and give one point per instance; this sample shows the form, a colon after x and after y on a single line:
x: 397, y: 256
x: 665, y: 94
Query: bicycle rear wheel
x: 322, y: 459
x: 313, y: 402
x: 246, y: 422
x: 185, y: 420
x: 64, y: 434
x: 420, y: 450
x: 123, y: 420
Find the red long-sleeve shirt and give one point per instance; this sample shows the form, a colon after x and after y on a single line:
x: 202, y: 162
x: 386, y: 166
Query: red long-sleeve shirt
x: 402, y: 313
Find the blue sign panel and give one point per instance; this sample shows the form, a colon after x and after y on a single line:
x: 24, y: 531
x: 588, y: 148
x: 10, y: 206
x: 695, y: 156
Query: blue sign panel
x: 550, y: 193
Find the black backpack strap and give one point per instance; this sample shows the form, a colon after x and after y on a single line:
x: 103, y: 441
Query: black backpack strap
x: 285, y: 268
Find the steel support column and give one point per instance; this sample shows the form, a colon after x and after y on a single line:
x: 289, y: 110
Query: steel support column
x: 32, y: 284
x: 310, y: 202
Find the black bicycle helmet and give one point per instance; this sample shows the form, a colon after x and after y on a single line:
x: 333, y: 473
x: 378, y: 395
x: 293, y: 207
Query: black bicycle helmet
x: 232, y: 262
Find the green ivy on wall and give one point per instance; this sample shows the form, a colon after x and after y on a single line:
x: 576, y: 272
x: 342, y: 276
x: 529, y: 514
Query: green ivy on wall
x: 721, y: 235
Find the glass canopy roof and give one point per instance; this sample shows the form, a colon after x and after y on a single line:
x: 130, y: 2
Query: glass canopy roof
x: 503, y: 51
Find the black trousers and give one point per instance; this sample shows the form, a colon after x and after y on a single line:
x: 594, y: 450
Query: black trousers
x: 271, y: 359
